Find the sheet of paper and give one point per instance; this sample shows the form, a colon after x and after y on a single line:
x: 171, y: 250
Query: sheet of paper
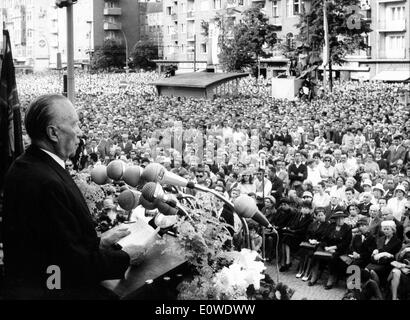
x: 141, y: 234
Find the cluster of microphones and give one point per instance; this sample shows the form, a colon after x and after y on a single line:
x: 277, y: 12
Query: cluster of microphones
x: 146, y: 189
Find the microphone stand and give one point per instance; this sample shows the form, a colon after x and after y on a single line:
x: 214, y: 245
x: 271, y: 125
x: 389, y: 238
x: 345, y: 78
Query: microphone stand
x: 263, y: 204
x: 229, y: 203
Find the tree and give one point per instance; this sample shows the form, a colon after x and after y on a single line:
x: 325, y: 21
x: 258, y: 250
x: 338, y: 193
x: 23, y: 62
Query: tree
x: 242, y: 44
x: 110, y: 55
x: 344, y: 38
x: 143, y: 53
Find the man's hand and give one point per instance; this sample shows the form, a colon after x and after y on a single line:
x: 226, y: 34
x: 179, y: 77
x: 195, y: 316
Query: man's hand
x: 136, y: 253
x: 110, y: 238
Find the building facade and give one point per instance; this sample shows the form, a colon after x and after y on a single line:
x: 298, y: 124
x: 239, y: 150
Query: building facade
x: 190, y: 25
x: 151, y: 23
x: 389, y: 54
x: 38, y: 28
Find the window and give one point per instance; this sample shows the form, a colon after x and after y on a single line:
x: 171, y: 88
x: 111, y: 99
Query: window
x: 275, y: 9
x: 203, y: 47
x: 169, y: 11
x: 217, y: 4
x: 183, y: 29
x: 396, y: 13
x: 395, y: 46
x: 293, y: 7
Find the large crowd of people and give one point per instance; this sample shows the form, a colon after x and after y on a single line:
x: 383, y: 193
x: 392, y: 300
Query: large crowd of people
x: 332, y: 174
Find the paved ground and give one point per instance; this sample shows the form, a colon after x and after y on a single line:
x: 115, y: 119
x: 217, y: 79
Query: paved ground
x: 302, y: 290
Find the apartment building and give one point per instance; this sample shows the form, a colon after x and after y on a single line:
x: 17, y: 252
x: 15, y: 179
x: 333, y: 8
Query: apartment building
x: 38, y: 28
x: 151, y: 23
x: 388, y: 57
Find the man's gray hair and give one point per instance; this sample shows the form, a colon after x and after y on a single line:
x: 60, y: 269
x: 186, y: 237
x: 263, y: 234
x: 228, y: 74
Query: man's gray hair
x: 39, y: 115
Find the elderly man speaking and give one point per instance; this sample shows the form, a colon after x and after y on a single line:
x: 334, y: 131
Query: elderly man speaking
x: 47, y: 224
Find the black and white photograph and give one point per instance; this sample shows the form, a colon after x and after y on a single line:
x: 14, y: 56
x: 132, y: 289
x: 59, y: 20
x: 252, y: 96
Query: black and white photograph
x: 228, y: 152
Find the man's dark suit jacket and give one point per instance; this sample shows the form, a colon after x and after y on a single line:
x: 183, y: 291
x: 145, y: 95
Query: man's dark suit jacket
x: 364, y: 247
x: 294, y: 171
x: 47, y: 222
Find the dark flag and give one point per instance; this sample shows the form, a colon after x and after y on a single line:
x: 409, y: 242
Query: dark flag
x: 11, y: 139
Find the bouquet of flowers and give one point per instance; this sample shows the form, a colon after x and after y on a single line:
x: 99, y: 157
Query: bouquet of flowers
x: 220, y: 272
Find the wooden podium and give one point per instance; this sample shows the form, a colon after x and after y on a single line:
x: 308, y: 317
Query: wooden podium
x: 156, y: 266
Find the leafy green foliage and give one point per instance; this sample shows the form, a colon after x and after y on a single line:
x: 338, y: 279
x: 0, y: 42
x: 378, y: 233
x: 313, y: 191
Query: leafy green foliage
x: 342, y: 39
x: 143, y: 53
x: 243, y: 43
x: 110, y: 55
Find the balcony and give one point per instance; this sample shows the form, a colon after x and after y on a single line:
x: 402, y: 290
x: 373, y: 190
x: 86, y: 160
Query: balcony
x: 393, y: 54
x: 112, y: 11
x: 174, y: 16
x: 392, y: 26
x: 387, y: 1
x: 367, y: 15
x: 174, y: 36
x: 54, y: 30
x: 112, y: 26
x: 276, y: 21
x: 190, y: 36
x: 190, y: 15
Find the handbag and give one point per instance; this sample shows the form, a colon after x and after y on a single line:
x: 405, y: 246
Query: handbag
x: 346, y: 259
x: 308, y: 245
x: 323, y: 254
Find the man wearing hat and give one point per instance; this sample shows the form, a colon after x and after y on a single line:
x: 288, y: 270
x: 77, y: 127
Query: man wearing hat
x: 363, y: 244
x: 360, y: 250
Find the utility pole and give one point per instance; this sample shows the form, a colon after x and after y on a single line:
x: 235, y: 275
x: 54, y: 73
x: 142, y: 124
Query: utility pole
x: 70, y: 54
x: 194, y: 52
x: 327, y: 46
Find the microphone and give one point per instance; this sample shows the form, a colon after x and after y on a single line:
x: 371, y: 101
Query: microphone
x: 115, y: 169
x: 162, y: 207
x: 155, y: 172
x: 129, y: 199
x: 132, y: 175
x: 246, y: 207
x: 99, y: 174
x: 152, y: 191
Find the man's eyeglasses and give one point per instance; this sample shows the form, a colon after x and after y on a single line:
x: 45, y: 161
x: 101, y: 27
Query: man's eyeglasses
x: 407, y: 208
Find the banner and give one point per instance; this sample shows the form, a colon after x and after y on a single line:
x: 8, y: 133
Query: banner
x: 11, y: 140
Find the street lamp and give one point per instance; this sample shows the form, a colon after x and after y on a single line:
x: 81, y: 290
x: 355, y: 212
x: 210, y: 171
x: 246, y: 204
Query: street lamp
x: 126, y: 43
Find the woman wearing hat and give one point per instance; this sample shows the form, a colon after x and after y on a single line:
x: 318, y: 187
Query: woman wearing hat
x: 294, y: 233
x: 353, y: 214
x: 335, y: 243
x: 387, y: 246
x: 378, y: 191
x: 315, y: 234
x: 397, y: 203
